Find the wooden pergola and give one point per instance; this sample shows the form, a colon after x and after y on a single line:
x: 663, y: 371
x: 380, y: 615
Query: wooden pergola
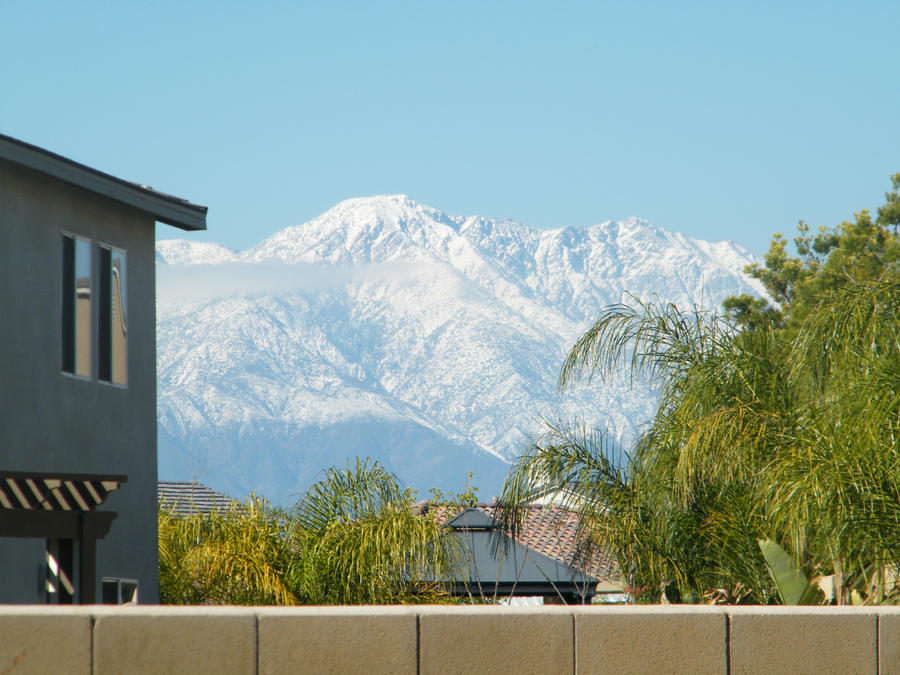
x: 57, y: 506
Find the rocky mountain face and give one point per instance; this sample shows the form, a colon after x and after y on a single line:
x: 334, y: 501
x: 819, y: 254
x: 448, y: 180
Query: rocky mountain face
x: 388, y: 329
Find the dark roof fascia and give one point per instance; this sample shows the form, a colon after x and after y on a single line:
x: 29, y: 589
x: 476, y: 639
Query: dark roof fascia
x: 522, y: 589
x: 472, y: 519
x: 163, y: 207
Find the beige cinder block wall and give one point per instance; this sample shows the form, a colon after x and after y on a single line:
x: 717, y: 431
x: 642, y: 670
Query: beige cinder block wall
x: 680, y: 639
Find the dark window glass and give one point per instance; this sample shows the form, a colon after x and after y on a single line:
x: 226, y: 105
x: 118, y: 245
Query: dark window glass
x: 60, y: 558
x: 110, y: 591
x: 104, y: 333
x: 68, y: 304
x: 76, y: 306
x: 119, y: 591
x: 112, y: 320
x: 119, y: 317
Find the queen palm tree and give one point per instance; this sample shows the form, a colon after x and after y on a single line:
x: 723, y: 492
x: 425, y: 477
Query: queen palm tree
x: 359, y: 541
x: 837, y: 488
x: 352, y: 538
x: 667, y: 508
x: 752, y: 439
x: 235, y: 557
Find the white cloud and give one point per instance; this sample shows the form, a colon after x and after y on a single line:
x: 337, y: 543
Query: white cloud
x: 181, y: 284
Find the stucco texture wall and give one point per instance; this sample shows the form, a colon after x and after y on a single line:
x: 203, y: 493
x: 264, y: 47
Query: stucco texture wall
x: 54, y: 422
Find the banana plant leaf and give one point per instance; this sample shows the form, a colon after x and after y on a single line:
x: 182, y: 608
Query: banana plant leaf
x: 792, y: 584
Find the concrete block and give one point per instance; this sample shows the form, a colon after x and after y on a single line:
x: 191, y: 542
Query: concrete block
x: 889, y: 641
x: 44, y: 642
x: 175, y: 642
x: 650, y: 640
x: 803, y: 640
x: 496, y: 640
x: 327, y: 640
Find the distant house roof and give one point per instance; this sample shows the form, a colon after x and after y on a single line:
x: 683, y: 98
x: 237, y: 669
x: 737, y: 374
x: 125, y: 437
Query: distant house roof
x: 192, y: 499
x: 163, y: 207
x: 544, y: 559
x: 549, y: 530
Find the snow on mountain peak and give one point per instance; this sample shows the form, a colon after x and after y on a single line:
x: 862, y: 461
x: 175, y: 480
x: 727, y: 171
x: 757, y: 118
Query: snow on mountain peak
x: 384, y: 209
x: 356, y: 231
x: 390, y: 329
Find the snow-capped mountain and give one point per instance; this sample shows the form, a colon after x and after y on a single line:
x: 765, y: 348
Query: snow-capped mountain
x: 389, y: 329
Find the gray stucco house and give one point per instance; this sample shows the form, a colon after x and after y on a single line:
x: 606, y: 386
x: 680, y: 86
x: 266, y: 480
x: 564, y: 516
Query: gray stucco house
x: 78, y: 503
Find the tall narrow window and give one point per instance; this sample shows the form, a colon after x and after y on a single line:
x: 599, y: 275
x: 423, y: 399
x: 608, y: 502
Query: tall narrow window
x: 112, y: 326
x: 76, y: 305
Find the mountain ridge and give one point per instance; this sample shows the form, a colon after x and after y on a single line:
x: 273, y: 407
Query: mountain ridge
x: 388, y: 319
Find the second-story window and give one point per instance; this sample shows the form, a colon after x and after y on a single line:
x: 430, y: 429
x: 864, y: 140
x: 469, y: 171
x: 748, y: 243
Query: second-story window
x: 112, y: 324
x: 76, y: 305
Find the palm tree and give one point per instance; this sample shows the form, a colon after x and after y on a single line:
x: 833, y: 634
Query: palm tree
x: 666, y: 509
x: 358, y: 540
x: 837, y: 488
x: 353, y: 538
x: 752, y: 439
x: 237, y: 557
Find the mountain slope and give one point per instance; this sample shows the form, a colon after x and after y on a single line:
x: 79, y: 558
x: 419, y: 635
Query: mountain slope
x: 388, y: 328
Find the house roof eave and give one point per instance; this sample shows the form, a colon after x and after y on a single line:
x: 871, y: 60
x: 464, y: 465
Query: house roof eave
x: 163, y: 207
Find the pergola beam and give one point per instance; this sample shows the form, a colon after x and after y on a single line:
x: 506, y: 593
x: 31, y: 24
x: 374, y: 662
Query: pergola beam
x: 32, y: 508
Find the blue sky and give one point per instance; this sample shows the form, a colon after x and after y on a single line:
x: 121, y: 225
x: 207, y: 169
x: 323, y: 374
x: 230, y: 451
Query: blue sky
x: 719, y: 120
